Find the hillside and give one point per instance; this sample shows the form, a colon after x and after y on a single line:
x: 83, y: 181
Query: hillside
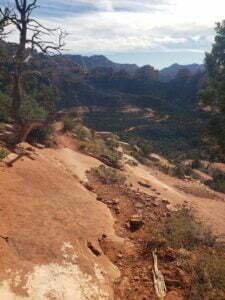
x: 112, y: 175
x: 92, y: 238
x: 171, y: 72
x: 95, y: 61
x: 103, y: 95
x: 101, y: 61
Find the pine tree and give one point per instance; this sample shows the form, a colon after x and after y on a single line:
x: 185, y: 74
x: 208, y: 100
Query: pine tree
x: 214, y: 94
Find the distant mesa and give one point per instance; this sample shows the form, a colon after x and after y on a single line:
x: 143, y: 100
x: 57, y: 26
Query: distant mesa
x: 147, y: 71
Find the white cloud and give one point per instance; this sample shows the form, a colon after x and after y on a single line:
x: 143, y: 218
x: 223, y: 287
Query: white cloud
x: 138, y: 25
x: 124, y: 5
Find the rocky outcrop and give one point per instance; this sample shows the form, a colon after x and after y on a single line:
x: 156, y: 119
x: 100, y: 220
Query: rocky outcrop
x: 49, y: 240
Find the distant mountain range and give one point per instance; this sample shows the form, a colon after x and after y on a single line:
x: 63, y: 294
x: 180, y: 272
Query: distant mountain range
x: 90, y: 62
x: 166, y: 74
x: 170, y: 73
x: 165, y: 112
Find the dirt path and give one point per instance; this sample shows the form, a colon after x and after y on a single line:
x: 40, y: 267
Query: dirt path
x: 209, y: 205
x: 144, y: 174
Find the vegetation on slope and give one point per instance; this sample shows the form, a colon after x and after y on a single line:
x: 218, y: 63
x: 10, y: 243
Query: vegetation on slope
x: 214, y: 93
x: 61, y: 84
x: 109, y: 175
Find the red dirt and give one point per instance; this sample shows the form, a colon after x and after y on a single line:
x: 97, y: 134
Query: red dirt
x: 45, y: 210
x: 133, y: 259
x: 51, y: 224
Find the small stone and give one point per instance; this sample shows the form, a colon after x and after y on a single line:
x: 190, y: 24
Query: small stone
x: 117, y: 210
x: 89, y: 187
x: 136, y: 222
x: 165, y: 201
x: 144, y: 184
x: 116, y: 201
x: 40, y: 146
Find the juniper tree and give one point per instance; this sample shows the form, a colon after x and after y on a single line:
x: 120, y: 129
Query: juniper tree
x: 214, y: 94
x: 33, y: 37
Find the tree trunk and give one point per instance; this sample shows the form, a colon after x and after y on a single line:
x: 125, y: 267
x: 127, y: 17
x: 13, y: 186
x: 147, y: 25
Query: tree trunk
x: 16, y: 100
x: 17, y: 93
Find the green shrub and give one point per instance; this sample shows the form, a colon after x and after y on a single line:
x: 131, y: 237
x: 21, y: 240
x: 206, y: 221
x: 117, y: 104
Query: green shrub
x: 98, y: 148
x: 179, y: 170
x: 72, y: 115
x: 94, y: 146
x: 141, y: 159
x: 68, y: 124
x: 113, y: 157
x: 83, y: 146
x: 218, y: 181
x: 83, y: 133
x: 40, y: 135
x: 3, y: 153
x: 5, y: 104
x: 146, y: 148
x: 182, y: 230
x: 207, y: 270
x: 196, y: 164
x: 109, y: 175
x: 112, y: 143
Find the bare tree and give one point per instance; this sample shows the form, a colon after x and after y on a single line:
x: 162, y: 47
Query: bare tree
x: 4, y: 22
x: 33, y: 37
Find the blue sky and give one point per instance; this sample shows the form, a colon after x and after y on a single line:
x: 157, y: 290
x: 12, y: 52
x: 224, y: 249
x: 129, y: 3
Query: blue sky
x: 156, y: 32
